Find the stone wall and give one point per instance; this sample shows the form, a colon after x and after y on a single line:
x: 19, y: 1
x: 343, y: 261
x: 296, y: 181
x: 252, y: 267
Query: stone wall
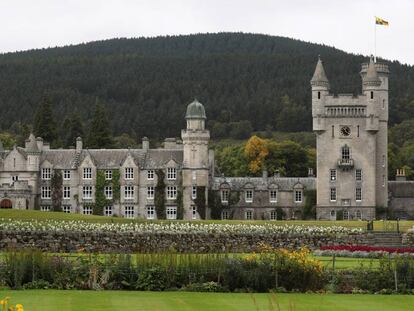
x: 112, y: 242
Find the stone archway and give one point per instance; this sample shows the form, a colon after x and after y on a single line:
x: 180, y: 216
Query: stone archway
x: 6, y: 203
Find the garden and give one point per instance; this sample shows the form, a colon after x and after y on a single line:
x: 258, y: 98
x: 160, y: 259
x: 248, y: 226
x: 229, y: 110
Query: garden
x: 247, y: 266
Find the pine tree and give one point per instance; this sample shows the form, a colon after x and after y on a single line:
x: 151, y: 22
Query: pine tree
x: 73, y: 128
x: 44, y: 123
x: 99, y: 131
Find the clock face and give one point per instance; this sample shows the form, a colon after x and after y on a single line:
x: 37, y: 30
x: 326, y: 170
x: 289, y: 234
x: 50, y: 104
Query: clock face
x: 345, y: 131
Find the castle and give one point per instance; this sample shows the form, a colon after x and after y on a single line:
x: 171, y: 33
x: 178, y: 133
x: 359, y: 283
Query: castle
x: 351, y: 181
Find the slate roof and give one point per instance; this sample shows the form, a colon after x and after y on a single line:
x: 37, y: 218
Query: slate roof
x: 319, y: 76
x: 401, y: 189
x: 111, y: 158
x: 260, y: 183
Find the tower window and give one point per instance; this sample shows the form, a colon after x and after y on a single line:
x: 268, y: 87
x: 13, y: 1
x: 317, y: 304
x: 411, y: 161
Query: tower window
x: 383, y: 104
x: 333, y: 131
x: 345, y: 153
x: 357, y: 130
x: 332, y: 197
x: 358, y: 194
x: 333, y: 175
x: 319, y: 95
x: 358, y: 175
x: 372, y: 95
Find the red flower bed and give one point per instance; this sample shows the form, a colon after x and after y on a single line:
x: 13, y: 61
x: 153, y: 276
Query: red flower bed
x: 364, y: 248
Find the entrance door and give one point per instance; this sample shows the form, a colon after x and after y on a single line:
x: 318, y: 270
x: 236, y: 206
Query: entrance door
x: 332, y: 215
x: 6, y: 203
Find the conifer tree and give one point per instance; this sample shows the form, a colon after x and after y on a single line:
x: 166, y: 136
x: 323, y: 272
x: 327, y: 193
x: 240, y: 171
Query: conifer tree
x: 72, y: 129
x: 99, y: 131
x: 44, y: 122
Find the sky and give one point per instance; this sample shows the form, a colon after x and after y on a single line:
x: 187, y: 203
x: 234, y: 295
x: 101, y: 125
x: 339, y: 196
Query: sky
x: 345, y: 24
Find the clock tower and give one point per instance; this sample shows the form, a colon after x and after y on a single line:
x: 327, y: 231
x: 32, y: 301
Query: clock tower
x: 351, y: 144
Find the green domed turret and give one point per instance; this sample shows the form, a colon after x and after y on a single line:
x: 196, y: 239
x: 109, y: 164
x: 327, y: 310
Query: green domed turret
x: 195, y: 110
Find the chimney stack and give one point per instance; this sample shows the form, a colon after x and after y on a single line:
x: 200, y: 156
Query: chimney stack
x: 79, y: 145
x: 400, y: 176
x: 145, y: 143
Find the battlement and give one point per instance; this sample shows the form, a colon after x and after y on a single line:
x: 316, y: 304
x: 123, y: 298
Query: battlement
x: 345, y: 111
x: 381, y: 68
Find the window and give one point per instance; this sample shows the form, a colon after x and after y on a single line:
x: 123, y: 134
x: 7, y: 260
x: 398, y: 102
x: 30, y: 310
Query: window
x: 108, y: 175
x: 319, y: 95
x: 87, y: 192
x: 383, y: 180
x: 249, y: 215
x: 171, y: 212
x: 333, y: 213
x: 383, y: 104
x: 129, y: 192
x: 345, y: 153
x: 150, y: 174
x: 45, y: 208
x: 346, y: 215
x: 194, y: 212
x: 66, y: 192
x: 333, y: 175
x: 273, y: 196
x: 194, y: 175
x: 45, y: 192
x: 15, y: 178
x: 298, y: 196
x: 225, y: 196
x: 108, y: 210
x: 171, y: 192
x: 194, y: 192
x: 225, y: 215
x: 383, y: 160
x: 357, y: 130
x: 67, y: 209
x: 108, y: 192
x: 273, y: 215
x: 129, y: 173
x: 333, y: 131
x: 358, y: 194
x: 150, y: 212
x: 87, y: 210
x: 249, y: 196
x: 150, y: 192
x: 171, y: 173
x: 66, y: 175
x: 372, y: 95
x: 332, y: 197
x: 358, y: 175
x: 129, y: 212
x: 87, y: 173
x: 358, y: 215
x: 46, y: 173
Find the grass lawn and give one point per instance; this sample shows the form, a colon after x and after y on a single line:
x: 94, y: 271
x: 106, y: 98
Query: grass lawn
x: 48, y: 300
x: 38, y: 215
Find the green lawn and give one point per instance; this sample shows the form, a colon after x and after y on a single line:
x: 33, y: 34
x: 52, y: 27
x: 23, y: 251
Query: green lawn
x: 48, y: 300
x: 38, y: 215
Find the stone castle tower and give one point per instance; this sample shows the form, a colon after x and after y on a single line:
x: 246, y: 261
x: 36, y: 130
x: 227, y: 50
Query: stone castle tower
x: 195, y: 171
x: 351, y: 141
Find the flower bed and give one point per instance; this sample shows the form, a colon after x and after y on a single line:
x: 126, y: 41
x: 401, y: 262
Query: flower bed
x: 365, y: 248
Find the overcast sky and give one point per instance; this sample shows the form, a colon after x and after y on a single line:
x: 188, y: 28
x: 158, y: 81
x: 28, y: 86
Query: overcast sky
x: 345, y: 24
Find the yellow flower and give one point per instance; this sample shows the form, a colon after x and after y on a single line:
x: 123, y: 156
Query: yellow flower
x: 19, y: 307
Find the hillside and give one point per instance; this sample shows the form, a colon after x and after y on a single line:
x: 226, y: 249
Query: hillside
x: 146, y: 83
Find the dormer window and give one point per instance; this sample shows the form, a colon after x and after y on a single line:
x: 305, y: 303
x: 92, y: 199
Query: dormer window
x: 87, y: 173
x: 129, y: 173
x: 249, y: 196
x: 171, y: 173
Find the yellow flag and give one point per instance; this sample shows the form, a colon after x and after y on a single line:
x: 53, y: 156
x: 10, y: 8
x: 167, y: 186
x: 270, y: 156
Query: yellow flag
x: 380, y: 21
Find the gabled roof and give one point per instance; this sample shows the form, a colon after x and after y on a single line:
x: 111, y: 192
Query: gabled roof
x: 260, y: 183
x: 319, y: 76
x: 60, y: 158
x: 158, y: 158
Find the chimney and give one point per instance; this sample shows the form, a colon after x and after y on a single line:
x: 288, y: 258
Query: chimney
x: 277, y: 173
x: 170, y: 143
x: 46, y: 146
x: 145, y: 143
x: 79, y: 145
x: 264, y: 174
x: 39, y: 141
x: 310, y: 172
x: 400, y: 176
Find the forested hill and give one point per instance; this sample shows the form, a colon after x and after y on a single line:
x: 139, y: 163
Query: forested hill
x: 146, y: 83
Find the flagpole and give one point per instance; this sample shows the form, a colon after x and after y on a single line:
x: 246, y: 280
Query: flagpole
x: 375, y: 40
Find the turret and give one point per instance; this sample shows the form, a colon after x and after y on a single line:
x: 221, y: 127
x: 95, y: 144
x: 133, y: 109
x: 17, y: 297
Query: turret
x: 33, y: 153
x: 320, y: 88
x: 195, y: 157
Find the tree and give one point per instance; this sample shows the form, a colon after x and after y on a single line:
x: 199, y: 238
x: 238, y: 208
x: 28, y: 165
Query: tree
x: 99, y: 131
x: 73, y: 128
x: 8, y: 140
x: 256, y: 151
x: 44, y: 122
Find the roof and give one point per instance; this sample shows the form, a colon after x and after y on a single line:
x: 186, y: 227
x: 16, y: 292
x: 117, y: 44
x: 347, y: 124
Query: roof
x: 195, y: 110
x: 111, y: 158
x: 372, y: 77
x: 260, y: 183
x: 401, y: 189
x: 319, y: 76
